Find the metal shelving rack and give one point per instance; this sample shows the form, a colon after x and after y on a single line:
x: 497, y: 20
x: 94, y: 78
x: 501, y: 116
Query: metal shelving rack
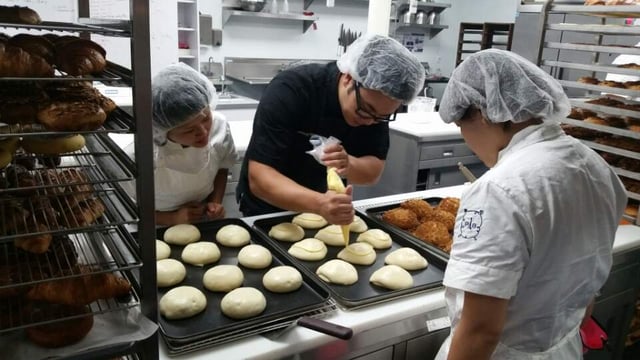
x: 593, y: 91
x: 106, y: 245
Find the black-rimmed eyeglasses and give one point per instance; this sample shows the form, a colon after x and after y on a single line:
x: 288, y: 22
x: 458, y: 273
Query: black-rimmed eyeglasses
x: 366, y: 114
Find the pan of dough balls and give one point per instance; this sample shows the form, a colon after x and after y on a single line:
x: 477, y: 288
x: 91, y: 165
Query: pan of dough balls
x: 428, y: 222
x: 378, y: 265
x: 219, y: 277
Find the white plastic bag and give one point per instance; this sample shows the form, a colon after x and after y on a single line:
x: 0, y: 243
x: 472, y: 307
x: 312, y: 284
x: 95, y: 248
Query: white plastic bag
x: 319, y: 143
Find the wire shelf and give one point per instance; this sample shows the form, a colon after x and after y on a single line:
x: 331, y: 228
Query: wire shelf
x: 108, y: 75
x: 603, y: 128
x: 122, y: 31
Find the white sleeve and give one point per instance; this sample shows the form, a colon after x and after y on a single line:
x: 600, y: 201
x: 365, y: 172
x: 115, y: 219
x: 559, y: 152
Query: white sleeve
x: 224, y: 146
x: 489, y: 250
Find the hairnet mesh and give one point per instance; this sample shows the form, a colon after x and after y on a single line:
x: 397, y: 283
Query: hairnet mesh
x: 178, y: 92
x: 505, y: 87
x: 383, y: 64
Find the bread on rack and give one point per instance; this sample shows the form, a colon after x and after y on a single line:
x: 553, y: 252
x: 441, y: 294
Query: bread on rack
x: 80, y: 290
x: 629, y: 66
x: 594, y: 2
x: 19, y: 103
x: 72, y: 116
x: 19, y: 15
x: 588, y: 80
x: 37, y: 244
x: 580, y: 132
x: 620, y: 142
x: 35, y: 45
x: 5, y: 158
x: 87, y: 212
x: 629, y: 164
x: 605, y: 101
x: 632, y: 85
x: 580, y: 114
x: 15, y: 62
x: 54, y: 334
x: 595, y: 120
x: 53, y: 145
x: 615, y: 121
x: 80, y: 57
x: 611, y: 83
x: 14, y: 216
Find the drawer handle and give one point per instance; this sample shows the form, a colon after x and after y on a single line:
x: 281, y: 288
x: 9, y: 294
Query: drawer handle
x: 447, y: 153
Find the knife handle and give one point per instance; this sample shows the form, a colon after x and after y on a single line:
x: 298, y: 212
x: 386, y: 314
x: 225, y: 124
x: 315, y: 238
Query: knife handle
x: 326, y: 327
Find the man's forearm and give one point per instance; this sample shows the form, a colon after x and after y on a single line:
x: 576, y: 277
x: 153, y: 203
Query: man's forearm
x: 365, y: 170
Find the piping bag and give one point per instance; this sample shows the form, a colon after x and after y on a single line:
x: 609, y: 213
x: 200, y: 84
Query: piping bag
x: 334, y: 182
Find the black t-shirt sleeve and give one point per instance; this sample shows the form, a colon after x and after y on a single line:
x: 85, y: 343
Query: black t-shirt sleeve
x: 275, y: 125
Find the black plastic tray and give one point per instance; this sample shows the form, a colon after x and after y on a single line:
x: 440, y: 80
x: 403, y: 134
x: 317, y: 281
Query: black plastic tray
x: 362, y: 292
x: 375, y: 213
x: 211, y: 322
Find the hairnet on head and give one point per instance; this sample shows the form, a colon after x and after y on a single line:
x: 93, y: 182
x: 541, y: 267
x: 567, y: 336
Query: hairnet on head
x: 383, y: 64
x: 504, y: 87
x: 178, y: 93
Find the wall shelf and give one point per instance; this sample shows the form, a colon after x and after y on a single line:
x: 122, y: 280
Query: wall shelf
x: 430, y: 30
x: 307, y: 20
x: 425, y: 6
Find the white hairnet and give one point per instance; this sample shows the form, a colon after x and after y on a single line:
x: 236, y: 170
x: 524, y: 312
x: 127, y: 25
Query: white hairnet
x: 178, y: 93
x: 383, y: 64
x: 504, y: 87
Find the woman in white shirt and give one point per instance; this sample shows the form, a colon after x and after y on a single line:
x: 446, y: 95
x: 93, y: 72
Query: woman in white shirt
x: 193, y: 147
x: 533, y: 236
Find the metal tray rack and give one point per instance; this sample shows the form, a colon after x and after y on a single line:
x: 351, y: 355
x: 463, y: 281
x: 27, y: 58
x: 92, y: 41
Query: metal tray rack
x: 105, y: 245
x: 602, y: 13
x: 211, y: 326
x: 362, y: 293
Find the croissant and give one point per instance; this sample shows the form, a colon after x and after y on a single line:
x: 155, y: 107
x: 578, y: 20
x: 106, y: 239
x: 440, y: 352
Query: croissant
x: 81, y: 290
x: 80, y: 57
x: 34, y: 45
x: 16, y: 62
x: 88, y: 212
x: 37, y: 244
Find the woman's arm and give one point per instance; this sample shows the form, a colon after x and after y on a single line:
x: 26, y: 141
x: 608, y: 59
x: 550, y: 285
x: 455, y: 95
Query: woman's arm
x: 186, y: 214
x: 215, y: 210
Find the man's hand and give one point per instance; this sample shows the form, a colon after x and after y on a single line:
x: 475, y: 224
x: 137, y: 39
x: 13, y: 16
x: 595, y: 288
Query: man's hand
x: 337, y: 208
x: 336, y: 156
x: 215, y: 211
x: 189, y: 213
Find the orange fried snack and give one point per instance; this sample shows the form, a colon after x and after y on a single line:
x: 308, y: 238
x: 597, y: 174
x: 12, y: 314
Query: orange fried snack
x: 418, y: 206
x: 434, y: 233
x: 443, y: 217
x: 450, y: 205
x: 402, y: 218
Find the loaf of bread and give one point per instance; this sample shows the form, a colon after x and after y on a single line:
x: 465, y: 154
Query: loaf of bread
x: 53, y: 145
x: 87, y: 212
x: 588, y: 80
x: 37, y: 244
x: 19, y: 103
x: 35, y: 45
x: 15, y: 62
x: 80, y: 57
x: 72, y: 116
x: 19, y: 15
x: 56, y: 334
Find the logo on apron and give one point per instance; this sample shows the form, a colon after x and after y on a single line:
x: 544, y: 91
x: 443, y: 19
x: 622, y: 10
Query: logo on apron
x: 471, y: 224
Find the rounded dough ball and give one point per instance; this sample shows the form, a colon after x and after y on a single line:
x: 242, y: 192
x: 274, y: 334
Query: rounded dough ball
x: 376, y: 238
x: 358, y: 225
x: 406, y: 258
x: 331, y: 235
x: 201, y: 253
x: 309, y: 249
x: 223, y: 278
x: 169, y: 272
x: 233, y: 236
x: 392, y: 277
x: 309, y: 221
x: 282, y: 279
x: 163, y: 250
x: 338, y: 272
x: 358, y: 253
x: 182, y: 234
x: 287, y: 232
x: 254, y: 257
x: 182, y: 302
x: 243, y: 303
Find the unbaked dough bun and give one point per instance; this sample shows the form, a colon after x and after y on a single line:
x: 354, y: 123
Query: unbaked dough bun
x: 182, y: 234
x: 182, y: 302
x: 309, y: 221
x: 338, y: 272
x: 169, y: 272
x: 331, y: 235
x: 287, y: 232
x: 406, y: 258
x: 163, y: 250
x: 242, y: 303
x: 375, y: 237
x: 392, y: 277
x: 309, y: 249
x: 358, y: 253
x: 233, y: 236
x: 201, y: 253
x: 358, y: 225
x: 52, y: 145
x: 223, y: 278
x: 254, y: 257
x: 282, y: 279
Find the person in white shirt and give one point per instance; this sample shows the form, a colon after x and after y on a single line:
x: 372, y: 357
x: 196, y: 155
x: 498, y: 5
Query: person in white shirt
x: 193, y: 147
x: 533, y: 236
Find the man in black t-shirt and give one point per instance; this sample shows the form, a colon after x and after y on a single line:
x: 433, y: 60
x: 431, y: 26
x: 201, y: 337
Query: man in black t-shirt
x: 351, y: 100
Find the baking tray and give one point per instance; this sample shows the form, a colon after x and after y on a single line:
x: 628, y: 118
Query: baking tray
x: 211, y: 322
x: 375, y: 213
x: 361, y: 293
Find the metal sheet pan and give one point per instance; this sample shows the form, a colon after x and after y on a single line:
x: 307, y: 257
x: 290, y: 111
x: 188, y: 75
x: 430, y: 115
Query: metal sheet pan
x: 361, y: 293
x: 211, y: 322
x: 375, y: 213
